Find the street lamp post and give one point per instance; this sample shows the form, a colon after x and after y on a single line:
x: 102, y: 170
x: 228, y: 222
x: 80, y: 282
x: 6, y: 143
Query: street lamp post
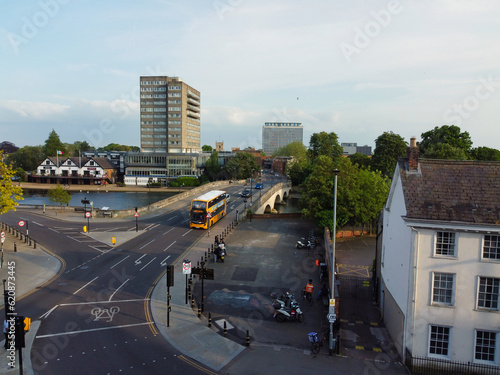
x: 331, y: 316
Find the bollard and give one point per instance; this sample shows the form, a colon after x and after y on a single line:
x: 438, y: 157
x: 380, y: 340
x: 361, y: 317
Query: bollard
x: 225, y: 328
x: 212, y: 247
x: 205, y: 256
x: 248, y: 339
x: 189, y: 292
x: 209, y: 320
x: 21, y: 237
x: 199, y: 310
x: 15, y: 247
x: 29, y: 242
x: 25, y: 239
x: 192, y: 301
x: 34, y: 244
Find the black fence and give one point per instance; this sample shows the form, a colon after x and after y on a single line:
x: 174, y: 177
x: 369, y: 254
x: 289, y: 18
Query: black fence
x: 435, y: 366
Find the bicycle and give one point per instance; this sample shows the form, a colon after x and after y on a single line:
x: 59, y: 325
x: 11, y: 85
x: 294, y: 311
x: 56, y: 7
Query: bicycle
x: 316, y: 342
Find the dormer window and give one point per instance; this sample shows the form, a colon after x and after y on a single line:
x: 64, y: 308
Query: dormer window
x: 47, y: 162
x: 92, y: 163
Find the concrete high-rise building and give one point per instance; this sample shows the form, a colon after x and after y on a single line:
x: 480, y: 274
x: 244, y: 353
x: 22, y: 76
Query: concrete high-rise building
x: 278, y: 134
x: 170, y: 115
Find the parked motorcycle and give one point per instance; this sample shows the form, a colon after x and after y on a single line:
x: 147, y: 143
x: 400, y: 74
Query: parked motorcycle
x: 287, y: 308
x: 303, y: 244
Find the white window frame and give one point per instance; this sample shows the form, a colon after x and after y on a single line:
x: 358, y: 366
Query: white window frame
x: 440, y: 303
x: 485, y: 308
x: 450, y: 332
x: 446, y: 244
x: 490, y: 242
x: 496, y: 348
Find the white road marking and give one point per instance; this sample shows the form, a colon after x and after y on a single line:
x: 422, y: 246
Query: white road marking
x: 86, y: 284
x: 147, y: 244
x: 138, y: 261
x: 147, y: 264
x: 117, y: 289
x: 171, y: 229
x: 164, y: 261
x: 99, y: 302
x: 53, y: 230
x: 90, y: 330
x: 119, y: 262
x: 173, y: 217
x: 187, y: 232
x: 34, y: 222
x: 168, y: 247
x: 48, y: 312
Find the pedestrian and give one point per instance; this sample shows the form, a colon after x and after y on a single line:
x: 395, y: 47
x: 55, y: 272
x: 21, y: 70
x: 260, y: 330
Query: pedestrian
x: 308, y: 290
x: 6, y: 333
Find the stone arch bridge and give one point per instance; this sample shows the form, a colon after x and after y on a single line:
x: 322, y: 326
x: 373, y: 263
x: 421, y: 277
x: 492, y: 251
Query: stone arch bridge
x: 272, y: 197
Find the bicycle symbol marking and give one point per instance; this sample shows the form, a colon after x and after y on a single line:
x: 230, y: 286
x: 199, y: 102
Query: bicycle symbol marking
x: 105, y: 313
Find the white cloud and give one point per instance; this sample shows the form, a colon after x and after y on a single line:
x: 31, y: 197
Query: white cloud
x: 36, y: 110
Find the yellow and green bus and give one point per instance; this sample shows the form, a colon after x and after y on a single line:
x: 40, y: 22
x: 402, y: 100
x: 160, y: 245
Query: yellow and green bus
x: 213, y: 202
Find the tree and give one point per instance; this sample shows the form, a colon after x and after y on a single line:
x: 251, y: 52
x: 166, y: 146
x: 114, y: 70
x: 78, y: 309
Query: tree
x: 485, y: 153
x: 445, y: 151
x: 118, y: 147
x: 59, y: 195
x: 53, y: 144
x: 207, y: 148
x: 241, y: 166
x: 448, y: 134
x: 10, y: 194
x: 27, y: 158
x: 361, y: 160
x: 294, y: 149
x: 388, y: 148
x: 324, y: 144
x: 299, y: 170
x: 8, y: 147
x: 212, y: 167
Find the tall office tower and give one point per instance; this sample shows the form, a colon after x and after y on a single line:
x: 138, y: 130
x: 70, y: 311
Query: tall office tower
x: 170, y: 115
x: 278, y: 134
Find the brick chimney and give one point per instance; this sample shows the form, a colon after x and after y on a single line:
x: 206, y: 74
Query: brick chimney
x: 412, y: 155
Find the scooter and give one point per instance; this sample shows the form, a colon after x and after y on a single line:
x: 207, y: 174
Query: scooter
x: 302, y: 244
x: 221, y: 252
x: 287, y: 308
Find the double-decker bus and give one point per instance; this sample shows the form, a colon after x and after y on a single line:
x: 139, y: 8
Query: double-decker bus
x: 214, y: 202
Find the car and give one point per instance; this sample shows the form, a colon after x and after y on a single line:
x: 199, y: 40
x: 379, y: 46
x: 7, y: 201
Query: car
x: 260, y: 185
x: 245, y: 193
x: 228, y: 198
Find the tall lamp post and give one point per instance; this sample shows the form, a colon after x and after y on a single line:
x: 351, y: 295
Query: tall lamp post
x: 332, y: 316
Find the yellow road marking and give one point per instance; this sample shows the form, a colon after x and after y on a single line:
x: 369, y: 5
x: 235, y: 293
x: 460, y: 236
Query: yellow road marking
x: 196, y: 365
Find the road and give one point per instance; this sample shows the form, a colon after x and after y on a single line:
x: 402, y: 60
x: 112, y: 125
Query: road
x: 95, y: 316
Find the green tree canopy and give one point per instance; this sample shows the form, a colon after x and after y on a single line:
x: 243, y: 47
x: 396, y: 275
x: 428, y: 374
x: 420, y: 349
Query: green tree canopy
x: 207, y: 148
x: 212, y: 167
x: 294, y: 149
x: 241, y: 166
x: 485, y: 153
x: 10, y: 193
x: 53, y: 144
x: 324, y: 143
x: 118, y: 147
x: 447, y: 134
x: 445, y: 151
x: 361, y: 160
x: 388, y: 148
x: 27, y: 158
x: 59, y: 195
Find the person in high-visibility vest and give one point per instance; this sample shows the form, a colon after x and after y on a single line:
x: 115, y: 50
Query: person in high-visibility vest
x: 308, y: 290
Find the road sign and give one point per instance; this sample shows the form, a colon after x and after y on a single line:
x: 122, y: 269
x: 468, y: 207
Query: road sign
x: 2, y: 234
x: 21, y: 223
x: 87, y: 214
x: 209, y: 215
x: 136, y: 214
x: 331, y: 318
x: 186, y: 268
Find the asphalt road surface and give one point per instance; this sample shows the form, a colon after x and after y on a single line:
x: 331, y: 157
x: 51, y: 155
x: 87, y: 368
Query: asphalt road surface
x: 95, y: 316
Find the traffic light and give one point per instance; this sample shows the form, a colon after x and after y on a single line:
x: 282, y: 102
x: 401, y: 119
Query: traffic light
x: 170, y: 275
x: 19, y: 331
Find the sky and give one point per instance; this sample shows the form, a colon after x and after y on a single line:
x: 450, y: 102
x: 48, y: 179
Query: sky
x: 355, y: 68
